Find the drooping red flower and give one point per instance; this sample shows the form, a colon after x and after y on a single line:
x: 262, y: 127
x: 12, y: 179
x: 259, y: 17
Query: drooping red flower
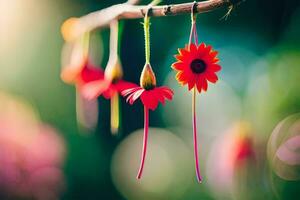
x: 104, y: 87
x: 82, y: 74
x: 79, y: 74
x: 196, y: 65
x: 109, y: 86
x: 77, y: 69
x: 150, y: 98
x: 149, y: 94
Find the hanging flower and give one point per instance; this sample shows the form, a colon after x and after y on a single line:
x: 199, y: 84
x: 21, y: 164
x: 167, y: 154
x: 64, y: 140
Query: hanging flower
x: 196, y: 65
x: 79, y: 70
x: 149, y: 94
x: 84, y: 74
x: 111, y: 84
x: 108, y: 85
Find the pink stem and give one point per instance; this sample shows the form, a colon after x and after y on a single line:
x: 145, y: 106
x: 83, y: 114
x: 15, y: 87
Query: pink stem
x: 145, y: 141
x: 195, y: 137
x: 191, y: 33
x: 195, y: 34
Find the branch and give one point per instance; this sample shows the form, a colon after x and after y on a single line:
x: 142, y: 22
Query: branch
x: 129, y: 10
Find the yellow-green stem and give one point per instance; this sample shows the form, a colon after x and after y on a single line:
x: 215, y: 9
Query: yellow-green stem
x: 85, y: 42
x: 114, y: 114
x: 147, y: 38
x: 113, y: 46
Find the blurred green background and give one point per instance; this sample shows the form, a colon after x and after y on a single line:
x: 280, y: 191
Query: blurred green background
x: 259, y: 83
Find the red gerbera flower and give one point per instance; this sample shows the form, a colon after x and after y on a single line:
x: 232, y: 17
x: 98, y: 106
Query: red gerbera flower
x: 195, y: 66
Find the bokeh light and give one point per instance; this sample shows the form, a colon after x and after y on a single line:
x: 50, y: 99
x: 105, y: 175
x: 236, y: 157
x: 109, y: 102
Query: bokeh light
x: 168, y: 170
x: 31, y: 154
x: 283, y: 148
x: 213, y: 117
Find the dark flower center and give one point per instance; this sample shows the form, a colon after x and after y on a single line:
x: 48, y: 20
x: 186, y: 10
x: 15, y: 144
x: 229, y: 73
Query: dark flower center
x: 198, y: 66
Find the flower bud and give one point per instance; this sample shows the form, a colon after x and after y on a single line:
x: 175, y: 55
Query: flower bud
x: 113, y: 70
x: 147, y: 79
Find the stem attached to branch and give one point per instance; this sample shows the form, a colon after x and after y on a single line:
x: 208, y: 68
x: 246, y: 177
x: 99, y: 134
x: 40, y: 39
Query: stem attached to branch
x: 145, y: 141
x: 129, y: 10
x: 113, y: 42
x: 147, y: 38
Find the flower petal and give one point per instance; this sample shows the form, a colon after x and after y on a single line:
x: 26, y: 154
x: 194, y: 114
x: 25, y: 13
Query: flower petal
x: 123, y: 85
x: 214, y: 68
x: 212, y: 77
x: 193, y: 47
x: 167, y: 92
x: 149, y: 99
x: 129, y: 90
x: 90, y: 73
x: 93, y: 89
x: 134, y: 96
x: 178, y: 66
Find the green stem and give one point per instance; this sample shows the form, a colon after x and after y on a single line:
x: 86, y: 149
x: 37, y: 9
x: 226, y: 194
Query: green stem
x: 113, y: 46
x: 120, y: 33
x: 147, y: 38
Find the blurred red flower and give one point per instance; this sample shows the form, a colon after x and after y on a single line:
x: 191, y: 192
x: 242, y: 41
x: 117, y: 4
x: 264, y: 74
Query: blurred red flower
x: 31, y: 154
x: 104, y: 87
x: 82, y: 73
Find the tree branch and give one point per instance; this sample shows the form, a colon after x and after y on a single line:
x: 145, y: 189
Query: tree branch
x: 130, y: 10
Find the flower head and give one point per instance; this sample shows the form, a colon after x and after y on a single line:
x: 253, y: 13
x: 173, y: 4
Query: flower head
x: 150, y: 98
x: 108, y: 85
x: 79, y: 70
x: 148, y: 92
x: 82, y: 74
x: 196, y: 65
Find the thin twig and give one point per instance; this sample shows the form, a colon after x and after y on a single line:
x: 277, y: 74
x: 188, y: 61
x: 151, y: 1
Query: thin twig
x: 130, y: 10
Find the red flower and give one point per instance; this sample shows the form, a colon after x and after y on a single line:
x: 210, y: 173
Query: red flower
x: 104, y: 87
x: 109, y: 86
x: 90, y: 73
x: 150, y: 98
x: 81, y: 74
x: 148, y: 92
x: 196, y: 65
